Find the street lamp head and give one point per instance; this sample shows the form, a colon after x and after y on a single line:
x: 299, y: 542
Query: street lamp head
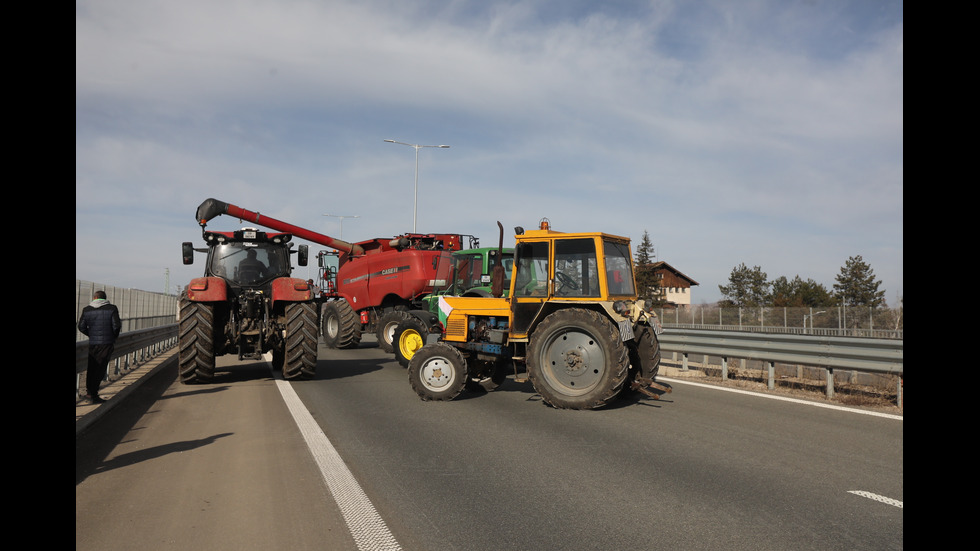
x: 416, y: 147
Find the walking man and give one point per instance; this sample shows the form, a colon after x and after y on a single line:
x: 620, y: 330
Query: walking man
x: 100, y: 323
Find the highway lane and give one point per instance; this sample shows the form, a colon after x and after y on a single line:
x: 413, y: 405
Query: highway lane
x: 699, y: 469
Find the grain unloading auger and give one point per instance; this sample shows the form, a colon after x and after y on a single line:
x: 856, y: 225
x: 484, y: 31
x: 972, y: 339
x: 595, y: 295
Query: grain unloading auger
x: 212, y: 208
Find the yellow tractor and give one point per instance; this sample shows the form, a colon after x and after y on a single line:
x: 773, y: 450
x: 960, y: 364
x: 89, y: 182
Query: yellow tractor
x: 571, y: 318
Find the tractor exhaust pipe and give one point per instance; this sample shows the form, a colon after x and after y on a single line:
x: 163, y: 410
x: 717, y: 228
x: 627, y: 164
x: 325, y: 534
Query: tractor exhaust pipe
x: 497, y: 277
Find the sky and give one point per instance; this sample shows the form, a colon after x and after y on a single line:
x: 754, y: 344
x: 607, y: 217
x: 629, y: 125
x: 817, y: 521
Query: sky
x: 763, y: 132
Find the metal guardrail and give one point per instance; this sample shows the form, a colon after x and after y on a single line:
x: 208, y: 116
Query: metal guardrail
x: 131, y: 349
x: 857, y: 354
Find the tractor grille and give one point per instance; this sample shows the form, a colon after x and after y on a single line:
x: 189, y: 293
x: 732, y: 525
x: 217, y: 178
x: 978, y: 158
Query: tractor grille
x: 456, y: 328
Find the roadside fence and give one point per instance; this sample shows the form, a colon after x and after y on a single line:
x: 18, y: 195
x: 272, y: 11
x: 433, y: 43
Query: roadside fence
x: 839, y: 321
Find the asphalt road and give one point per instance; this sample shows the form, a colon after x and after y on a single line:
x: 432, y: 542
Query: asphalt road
x: 226, y: 466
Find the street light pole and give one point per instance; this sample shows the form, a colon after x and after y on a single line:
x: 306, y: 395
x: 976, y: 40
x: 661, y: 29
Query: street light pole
x: 342, y: 222
x: 415, y: 211
x: 805, y: 316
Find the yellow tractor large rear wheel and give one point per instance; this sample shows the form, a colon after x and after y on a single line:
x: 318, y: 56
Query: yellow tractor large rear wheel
x: 576, y: 360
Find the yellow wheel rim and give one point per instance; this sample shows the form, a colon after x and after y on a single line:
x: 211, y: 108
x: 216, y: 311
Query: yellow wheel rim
x: 409, y: 343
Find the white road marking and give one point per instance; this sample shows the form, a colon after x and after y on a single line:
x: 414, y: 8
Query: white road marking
x: 365, y: 524
x: 784, y: 398
x: 877, y: 497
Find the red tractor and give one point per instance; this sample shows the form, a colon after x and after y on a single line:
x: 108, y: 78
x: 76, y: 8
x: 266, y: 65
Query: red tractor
x: 247, y: 304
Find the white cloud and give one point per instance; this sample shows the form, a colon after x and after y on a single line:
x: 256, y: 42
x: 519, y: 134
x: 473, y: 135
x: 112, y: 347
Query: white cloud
x: 727, y: 134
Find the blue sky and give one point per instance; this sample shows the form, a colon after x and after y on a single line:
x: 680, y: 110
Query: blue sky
x: 761, y: 132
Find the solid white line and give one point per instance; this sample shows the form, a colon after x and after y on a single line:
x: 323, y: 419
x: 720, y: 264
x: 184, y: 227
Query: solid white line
x: 365, y: 524
x: 877, y: 497
x: 784, y: 398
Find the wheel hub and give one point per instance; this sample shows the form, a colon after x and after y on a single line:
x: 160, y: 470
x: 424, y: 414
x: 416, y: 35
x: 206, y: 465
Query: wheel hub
x: 574, y: 361
x: 437, y: 373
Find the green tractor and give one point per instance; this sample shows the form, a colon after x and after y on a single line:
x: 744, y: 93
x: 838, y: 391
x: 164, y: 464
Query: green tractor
x: 470, y: 275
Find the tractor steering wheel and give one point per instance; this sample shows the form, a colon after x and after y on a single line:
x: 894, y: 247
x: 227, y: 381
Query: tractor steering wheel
x: 564, y: 280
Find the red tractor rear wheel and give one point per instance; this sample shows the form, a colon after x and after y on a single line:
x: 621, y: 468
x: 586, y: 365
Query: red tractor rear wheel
x: 196, y: 342
x: 299, y: 358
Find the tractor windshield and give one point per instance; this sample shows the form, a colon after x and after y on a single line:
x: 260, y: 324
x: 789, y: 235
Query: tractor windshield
x: 248, y: 263
x: 531, y: 270
x: 443, y: 265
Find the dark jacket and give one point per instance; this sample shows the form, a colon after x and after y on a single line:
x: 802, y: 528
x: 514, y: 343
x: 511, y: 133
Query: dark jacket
x: 100, y: 322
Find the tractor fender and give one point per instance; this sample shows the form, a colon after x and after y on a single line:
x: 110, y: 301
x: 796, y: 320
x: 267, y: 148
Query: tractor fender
x: 291, y: 289
x: 427, y: 318
x: 352, y: 300
x: 207, y: 289
x: 604, y: 308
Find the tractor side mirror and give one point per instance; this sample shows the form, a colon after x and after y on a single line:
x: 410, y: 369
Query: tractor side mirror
x: 303, y: 257
x: 187, y: 251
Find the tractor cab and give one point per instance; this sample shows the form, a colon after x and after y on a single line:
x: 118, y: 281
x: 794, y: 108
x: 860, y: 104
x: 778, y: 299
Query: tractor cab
x: 249, y: 257
x: 468, y: 272
x: 570, y: 268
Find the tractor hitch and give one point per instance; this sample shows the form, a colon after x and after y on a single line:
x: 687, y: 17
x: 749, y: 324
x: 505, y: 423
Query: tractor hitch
x: 642, y: 384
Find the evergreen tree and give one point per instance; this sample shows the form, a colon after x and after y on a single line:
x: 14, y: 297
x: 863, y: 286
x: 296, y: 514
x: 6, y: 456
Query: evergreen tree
x: 647, y: 284
x: 747, y: 287
x: 798, y: 293
x: 856, y: 284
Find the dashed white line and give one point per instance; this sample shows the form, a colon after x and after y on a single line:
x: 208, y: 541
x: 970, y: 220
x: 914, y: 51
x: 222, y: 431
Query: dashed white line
x: 877, y: 497
x: 365, y: 524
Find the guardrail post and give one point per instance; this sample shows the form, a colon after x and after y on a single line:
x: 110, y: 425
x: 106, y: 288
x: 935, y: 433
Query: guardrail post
x: 772, y: 374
